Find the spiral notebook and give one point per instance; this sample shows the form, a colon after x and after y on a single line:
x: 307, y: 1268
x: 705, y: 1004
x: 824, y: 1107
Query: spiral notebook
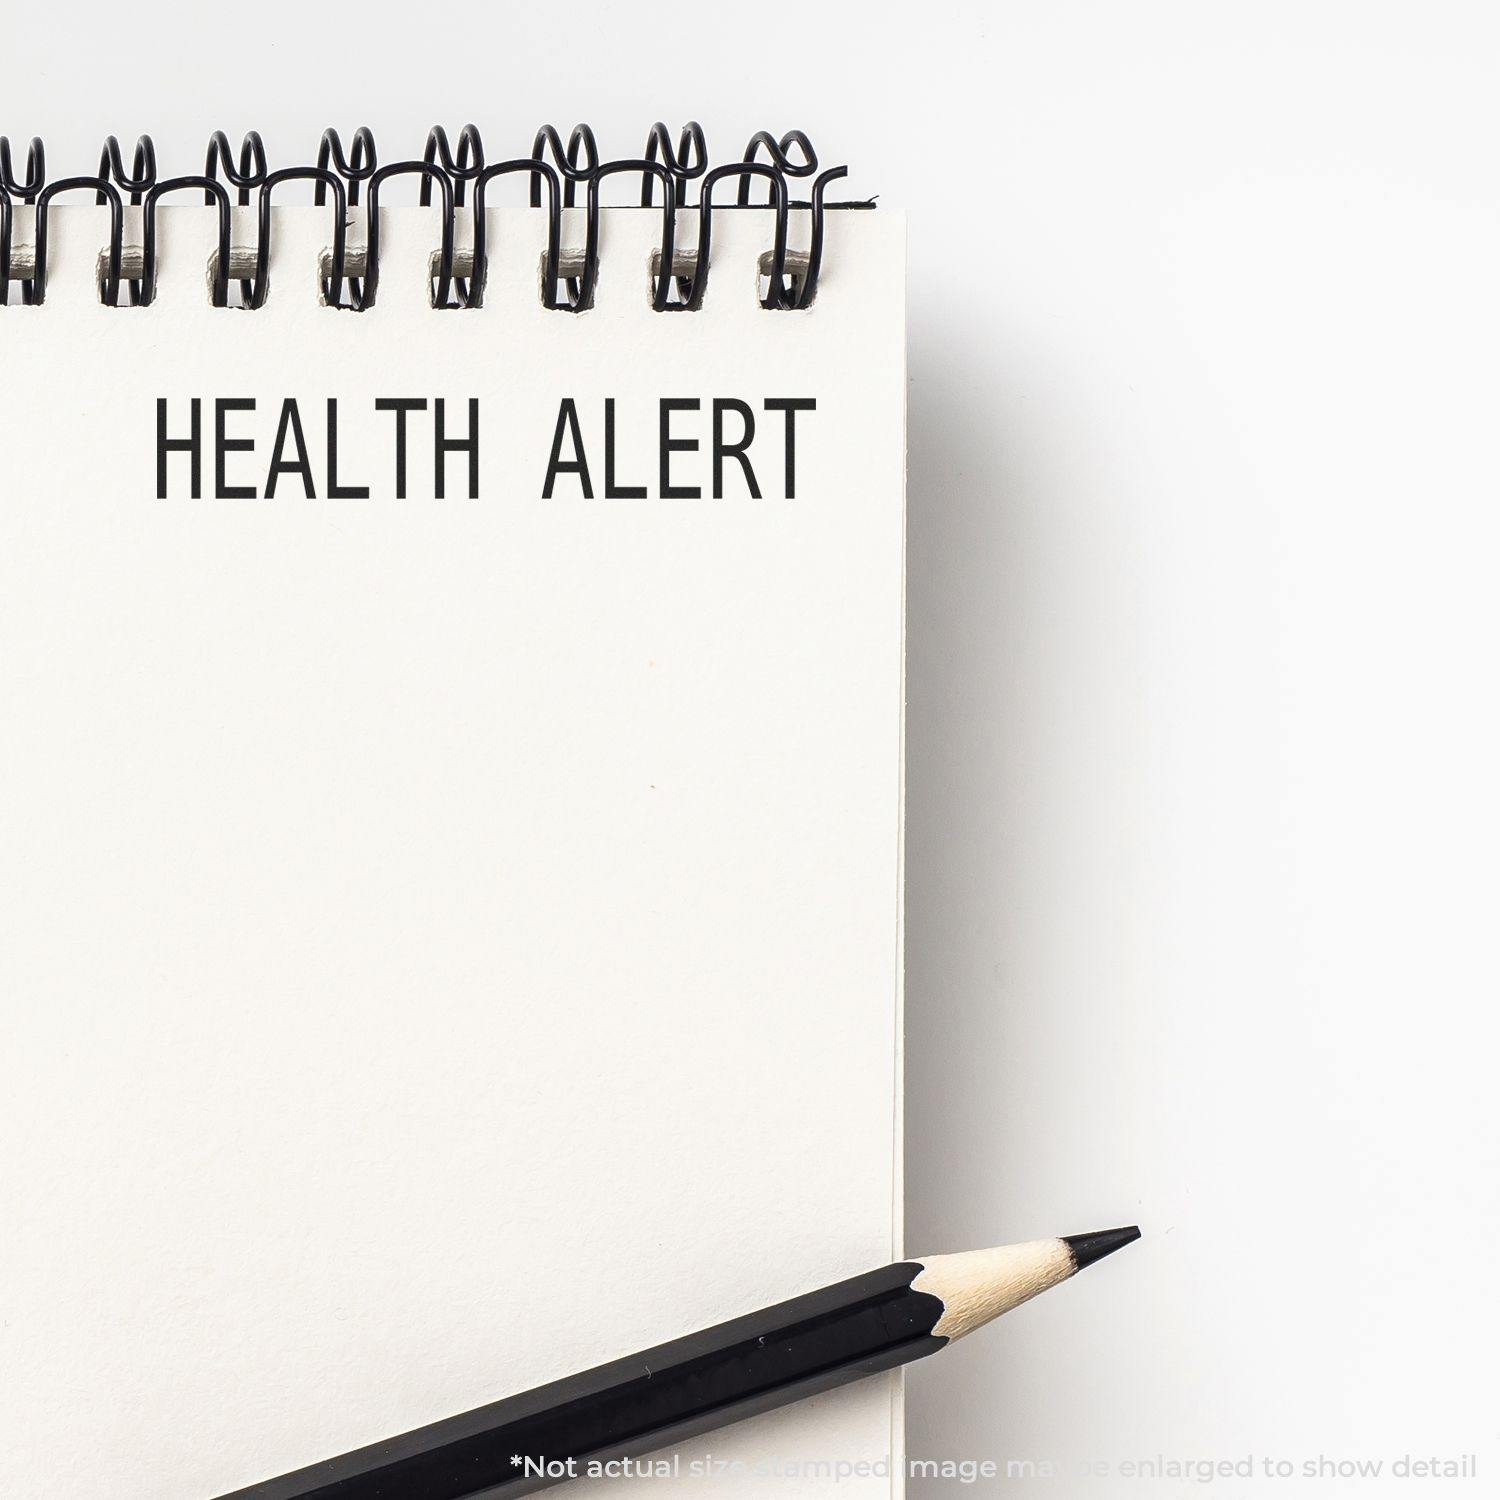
x: 450, y: 796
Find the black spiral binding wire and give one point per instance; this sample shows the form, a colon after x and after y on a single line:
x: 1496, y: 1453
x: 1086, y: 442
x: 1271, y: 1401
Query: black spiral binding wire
x: 556, y: 175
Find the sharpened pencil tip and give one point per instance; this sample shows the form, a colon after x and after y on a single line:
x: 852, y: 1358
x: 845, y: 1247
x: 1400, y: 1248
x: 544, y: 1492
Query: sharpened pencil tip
x: 1087, y: 1248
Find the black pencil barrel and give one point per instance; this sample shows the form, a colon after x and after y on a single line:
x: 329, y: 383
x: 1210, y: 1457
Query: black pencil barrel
x: 649, y: 1400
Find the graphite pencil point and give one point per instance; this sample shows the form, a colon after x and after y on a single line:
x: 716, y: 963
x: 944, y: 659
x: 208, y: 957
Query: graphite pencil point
x: 1087, y: 1248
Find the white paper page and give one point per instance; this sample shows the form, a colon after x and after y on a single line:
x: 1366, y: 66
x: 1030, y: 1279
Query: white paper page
x: 444, y: 944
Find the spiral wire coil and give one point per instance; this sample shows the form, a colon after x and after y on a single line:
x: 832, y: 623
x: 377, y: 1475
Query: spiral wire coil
x: 456, y: 181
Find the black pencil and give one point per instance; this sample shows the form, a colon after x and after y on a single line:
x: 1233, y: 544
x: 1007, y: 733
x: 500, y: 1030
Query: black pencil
x: 677, y: 1390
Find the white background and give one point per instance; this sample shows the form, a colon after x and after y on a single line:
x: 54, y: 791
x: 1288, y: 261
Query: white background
x: 1205, y: 357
